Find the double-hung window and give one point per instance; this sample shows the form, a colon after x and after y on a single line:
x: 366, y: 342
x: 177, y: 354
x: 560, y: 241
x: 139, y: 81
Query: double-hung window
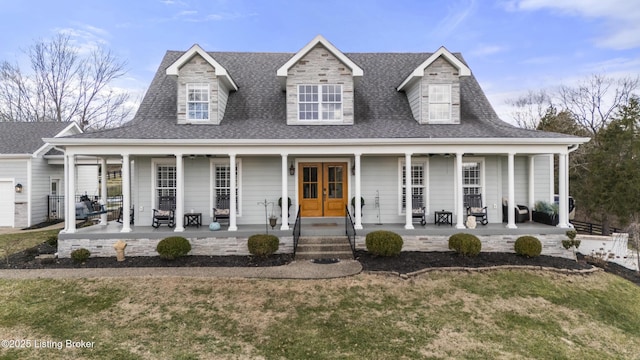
x: 221, y: 175
x: 165, y: 180
x: 418, y: 183
x: 198, y: 101
x: 439, y: 103
x: 320, y: 102
x: 472, y: 177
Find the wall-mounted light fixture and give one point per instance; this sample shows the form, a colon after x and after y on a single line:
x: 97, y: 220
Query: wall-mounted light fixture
x: 353, y: 169
x: 18, y: 188
x: 292, y: 169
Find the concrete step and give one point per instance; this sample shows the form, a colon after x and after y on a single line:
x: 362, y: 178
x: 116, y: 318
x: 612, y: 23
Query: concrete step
x: 323, y: 247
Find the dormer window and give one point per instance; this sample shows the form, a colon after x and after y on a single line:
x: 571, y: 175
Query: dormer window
x: 320, y: 102
x: 439, y: 103
x: 198, y: 101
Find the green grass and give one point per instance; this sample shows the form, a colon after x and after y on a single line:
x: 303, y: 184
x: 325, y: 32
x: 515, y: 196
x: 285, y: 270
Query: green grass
x: 499, y: 314
x: 23, y: 240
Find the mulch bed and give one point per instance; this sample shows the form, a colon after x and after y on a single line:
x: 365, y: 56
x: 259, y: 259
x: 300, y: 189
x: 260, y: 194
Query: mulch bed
x: 406, y: 262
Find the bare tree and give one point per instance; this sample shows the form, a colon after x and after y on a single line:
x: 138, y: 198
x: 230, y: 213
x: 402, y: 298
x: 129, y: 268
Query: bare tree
x: 595, y: 100
x: 64, y: 86
x: 530, y: 108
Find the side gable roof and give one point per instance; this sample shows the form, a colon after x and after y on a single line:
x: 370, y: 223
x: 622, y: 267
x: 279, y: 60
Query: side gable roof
x: 25, y: 138
x: 221, y: 72
x: 355, y: 69
x: 463, y: 70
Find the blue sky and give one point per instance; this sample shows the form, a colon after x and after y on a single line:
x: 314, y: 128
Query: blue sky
x: 511, y: 46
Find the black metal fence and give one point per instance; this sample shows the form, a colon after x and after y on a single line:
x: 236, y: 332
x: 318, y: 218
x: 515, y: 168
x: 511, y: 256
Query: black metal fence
x: 592, y: 229
x: 56, y: 206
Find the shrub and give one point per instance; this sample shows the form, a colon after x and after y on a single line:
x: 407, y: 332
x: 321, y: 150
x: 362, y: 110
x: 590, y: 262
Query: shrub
x: 571, y: 234
x: 173, y: 247
x: 80, y: 255
x: 384, y: 243
x: 528, y: 246
x: 465, y: 244
x: 53, y: 240
x: 263, y: 244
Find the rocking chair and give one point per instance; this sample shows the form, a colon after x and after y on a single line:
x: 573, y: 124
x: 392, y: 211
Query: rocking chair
x: 473, y: 203
x: 221, y: 211
x: 165, y: 213
x: 419, y: 211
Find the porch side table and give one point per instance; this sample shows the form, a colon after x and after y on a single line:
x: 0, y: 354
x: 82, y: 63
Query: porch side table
x: 193, y: 219
x: 443, y: 217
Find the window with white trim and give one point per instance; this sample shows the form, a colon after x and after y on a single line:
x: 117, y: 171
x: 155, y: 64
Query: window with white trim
x: 221, y: 181
x: 165, y: 180
x: 197, y: 101
x: 471, y: 177
x: 439, y: 103
x: 320, y: 102
x: 418, y: 182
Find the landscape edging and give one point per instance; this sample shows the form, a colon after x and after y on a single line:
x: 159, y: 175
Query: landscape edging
x: 486, y: 268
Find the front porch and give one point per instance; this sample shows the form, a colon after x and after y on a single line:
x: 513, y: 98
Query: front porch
x: 142, y: 240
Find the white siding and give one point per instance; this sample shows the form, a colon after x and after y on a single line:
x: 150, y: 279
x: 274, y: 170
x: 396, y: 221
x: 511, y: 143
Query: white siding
x: 261, y: 180
x: 223, y: 96
x: 492, y: 186
x: 441, y: 185
x: 7, y: 194
x: 141, y: 191
x: 415, y: 98
x: 542, y: 179
x: 42, y: 173
x: 380, y: 175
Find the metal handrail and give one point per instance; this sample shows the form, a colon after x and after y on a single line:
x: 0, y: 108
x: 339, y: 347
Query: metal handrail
x: 350, y: 231
x: 296, y: 232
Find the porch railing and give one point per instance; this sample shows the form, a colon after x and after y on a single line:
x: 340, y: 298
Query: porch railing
x: 350, y: 231
x: 56, y: 205
x: 592, y: 229
x: 296, y: 232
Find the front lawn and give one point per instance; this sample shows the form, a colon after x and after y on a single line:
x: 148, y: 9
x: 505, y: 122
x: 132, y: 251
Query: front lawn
x: 486, y: 315
x: 17, y: 242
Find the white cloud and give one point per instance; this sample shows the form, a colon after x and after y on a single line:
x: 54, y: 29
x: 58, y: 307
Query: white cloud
x: 457, y: 13
x: 85, y: 38
x: 486, y: 50
x: 621, y: 18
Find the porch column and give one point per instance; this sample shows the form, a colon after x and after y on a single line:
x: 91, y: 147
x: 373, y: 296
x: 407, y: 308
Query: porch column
x: 459, y: 193
x: 66, y: 193
x: 563, y: 210
x: 103, y: 189
x: 358, y: 202
x: 179, y: 213
x: 71, y: 195
x: 126, y: 193
x: 232, y: 191
x: 532, y: 184
x: 408, y: 211
x: 284, y: 195
x: 511, y: 216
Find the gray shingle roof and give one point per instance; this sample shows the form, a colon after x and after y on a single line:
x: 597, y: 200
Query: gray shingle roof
x: 26, y: 137
x: 257, y: 110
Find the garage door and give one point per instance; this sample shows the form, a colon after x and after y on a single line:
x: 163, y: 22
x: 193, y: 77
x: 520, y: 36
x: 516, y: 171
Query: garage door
x: 7, y: 199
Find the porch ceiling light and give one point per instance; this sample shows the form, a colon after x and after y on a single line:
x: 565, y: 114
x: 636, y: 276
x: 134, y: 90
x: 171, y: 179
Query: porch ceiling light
x: 18, y: 188
x: 292, y: 170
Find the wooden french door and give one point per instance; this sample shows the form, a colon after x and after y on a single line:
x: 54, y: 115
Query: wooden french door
x: 322, y: 189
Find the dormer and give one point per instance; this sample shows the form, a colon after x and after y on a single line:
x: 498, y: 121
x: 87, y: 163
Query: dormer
x: 203, y: 87
x: 433, y: 88
x: 319, y: 81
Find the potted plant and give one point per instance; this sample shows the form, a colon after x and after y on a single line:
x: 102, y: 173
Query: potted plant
x: 545, y: 213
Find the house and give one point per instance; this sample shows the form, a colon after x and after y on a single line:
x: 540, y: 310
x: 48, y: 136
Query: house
x: 31, y: 169
x: 322, y: 127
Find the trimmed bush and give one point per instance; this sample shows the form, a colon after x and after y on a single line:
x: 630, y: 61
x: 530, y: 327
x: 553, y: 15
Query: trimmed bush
x: 465, y: 244
x: 528, y: 246
x: 384, y: 243
x: 80, y: 255
x: 53, y: 240
x: 173, y: 247
x: 263, y: 244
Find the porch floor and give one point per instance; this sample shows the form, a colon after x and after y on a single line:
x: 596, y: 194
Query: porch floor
x: 310, y: 227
